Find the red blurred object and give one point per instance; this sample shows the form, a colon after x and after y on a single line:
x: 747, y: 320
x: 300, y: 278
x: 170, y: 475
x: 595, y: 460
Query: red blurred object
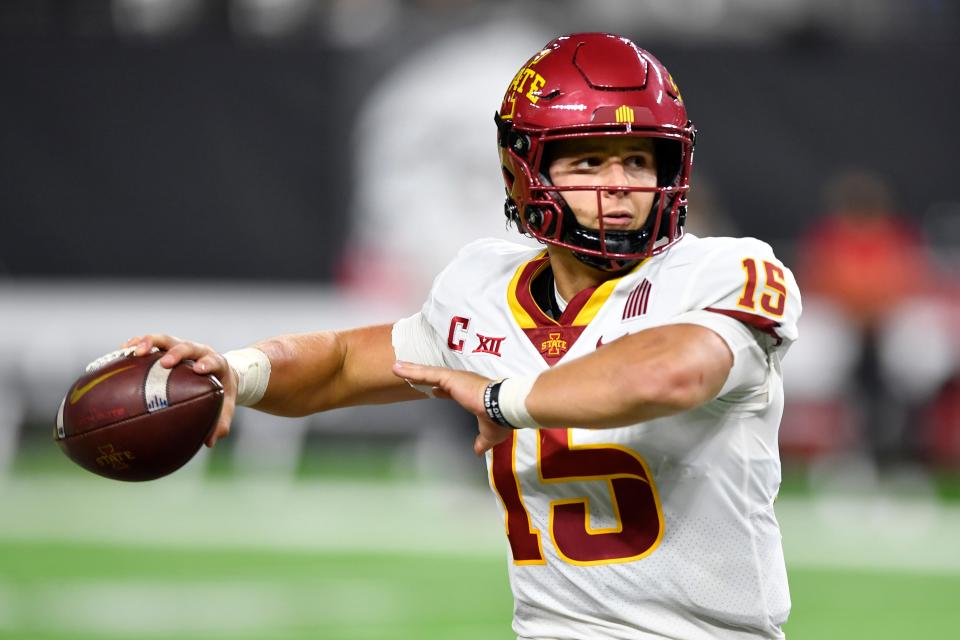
x: 810, y: 429
x: 865, y: 265
x: 861, y: 255
x: 941, y: 425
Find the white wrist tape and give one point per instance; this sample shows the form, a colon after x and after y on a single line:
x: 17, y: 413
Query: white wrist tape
x: 513, y: 402
x: 252, y: 367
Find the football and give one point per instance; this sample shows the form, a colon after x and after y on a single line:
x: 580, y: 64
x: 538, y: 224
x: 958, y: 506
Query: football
x: 129, y: 418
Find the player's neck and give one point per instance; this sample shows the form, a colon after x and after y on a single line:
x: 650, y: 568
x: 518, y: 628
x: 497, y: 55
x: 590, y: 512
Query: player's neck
x: 573, y: 276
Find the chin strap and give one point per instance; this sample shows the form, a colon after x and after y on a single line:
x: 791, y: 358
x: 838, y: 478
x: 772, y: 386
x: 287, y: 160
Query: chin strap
x: 613, y: 241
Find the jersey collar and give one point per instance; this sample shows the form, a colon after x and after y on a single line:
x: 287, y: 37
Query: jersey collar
x: 553, y: 338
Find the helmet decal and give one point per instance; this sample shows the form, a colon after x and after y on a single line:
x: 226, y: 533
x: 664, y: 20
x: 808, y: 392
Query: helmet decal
x: 676, y: 90
x: 519, y: 85
x: 624, y: 113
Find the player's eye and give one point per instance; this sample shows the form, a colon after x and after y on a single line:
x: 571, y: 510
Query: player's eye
x: 587, y: 162
x: 638, y: 161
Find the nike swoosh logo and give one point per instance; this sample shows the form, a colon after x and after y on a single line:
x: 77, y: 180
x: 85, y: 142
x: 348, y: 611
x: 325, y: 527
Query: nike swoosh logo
x: 79, y: 392
x: 600, y: 341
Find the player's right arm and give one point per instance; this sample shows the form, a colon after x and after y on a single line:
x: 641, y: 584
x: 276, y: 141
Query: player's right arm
x: 309, y: 372
x: 314, y: 372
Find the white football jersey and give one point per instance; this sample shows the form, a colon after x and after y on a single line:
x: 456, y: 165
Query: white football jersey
x: 662, y: 529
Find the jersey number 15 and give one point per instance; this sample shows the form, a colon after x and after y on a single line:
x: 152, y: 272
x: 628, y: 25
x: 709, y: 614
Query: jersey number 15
x: 633, y: 496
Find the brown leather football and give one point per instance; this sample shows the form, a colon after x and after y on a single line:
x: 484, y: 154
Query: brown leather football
x: 132, y: 419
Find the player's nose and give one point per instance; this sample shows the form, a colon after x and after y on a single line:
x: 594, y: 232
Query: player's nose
x: 615, y: 176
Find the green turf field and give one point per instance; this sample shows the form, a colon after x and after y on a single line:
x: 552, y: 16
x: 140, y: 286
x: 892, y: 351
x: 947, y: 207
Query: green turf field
x: 60, y: 591
x: 51, y: 591
x: 195, y: 557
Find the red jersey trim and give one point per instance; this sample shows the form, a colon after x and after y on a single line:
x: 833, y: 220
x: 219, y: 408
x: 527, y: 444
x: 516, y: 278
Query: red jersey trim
x: 760, y: 323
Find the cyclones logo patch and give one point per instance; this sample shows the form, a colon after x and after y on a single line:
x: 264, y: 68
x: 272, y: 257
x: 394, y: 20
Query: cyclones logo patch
x: 554, y: 345
x: 553, y: 342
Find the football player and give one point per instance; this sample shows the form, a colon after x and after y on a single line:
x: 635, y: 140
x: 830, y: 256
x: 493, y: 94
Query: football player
x: 626, y: 377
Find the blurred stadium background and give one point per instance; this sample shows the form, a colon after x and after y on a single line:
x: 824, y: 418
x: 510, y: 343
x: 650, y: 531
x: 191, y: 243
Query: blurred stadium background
x: 231, y: 169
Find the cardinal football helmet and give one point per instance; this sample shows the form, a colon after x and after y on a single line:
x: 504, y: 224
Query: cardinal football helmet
x: 594, y: 84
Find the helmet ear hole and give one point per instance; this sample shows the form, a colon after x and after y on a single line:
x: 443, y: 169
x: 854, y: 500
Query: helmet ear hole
x: 519, y: 144
x: 533, y: 218
x: 540, y: 220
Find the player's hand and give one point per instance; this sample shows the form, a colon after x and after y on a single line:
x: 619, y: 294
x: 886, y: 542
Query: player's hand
x: 466, y: 389
x: 206, y: 361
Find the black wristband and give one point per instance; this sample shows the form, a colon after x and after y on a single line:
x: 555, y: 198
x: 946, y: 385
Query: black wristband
x: 491, y: 403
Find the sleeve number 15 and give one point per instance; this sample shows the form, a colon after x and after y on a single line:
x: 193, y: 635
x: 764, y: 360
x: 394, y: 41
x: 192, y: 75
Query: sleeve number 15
x: 774, y: 291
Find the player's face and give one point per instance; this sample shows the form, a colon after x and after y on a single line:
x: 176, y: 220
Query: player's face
x: 601, y: 161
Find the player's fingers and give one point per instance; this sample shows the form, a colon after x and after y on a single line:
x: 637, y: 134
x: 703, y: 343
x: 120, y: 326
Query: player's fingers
x: 164, y: 342
x: 216, y: 364
x: 222, y: 430
x: 419, y: 374
x: 480, y: 443
x: 489, y: 435
x: 212, y: 363
x: 175, y: 354
x: 184, y: 351
x: 147, y: 342
x: 483, y: 443
x: 142, y: 344
x: 135, y: 340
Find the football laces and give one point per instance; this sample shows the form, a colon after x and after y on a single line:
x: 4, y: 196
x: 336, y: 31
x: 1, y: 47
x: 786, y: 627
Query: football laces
x: 107, y: 358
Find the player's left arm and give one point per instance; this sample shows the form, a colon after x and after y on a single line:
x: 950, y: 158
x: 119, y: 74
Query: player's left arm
x: 654, y: 373
x: 744, y: 306
x: 650, y: 374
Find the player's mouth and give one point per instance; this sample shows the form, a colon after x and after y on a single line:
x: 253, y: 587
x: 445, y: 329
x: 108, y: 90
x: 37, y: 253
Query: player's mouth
x: 617, y: 219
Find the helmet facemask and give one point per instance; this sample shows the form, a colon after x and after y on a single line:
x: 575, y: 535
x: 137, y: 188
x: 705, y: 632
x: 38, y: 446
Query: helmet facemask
x: 542, y: 211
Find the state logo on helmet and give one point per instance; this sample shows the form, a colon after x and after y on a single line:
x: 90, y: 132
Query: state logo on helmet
x: 594, y: 84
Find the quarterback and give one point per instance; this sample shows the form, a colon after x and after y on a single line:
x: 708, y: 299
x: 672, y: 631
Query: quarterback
x: 625, y: 376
